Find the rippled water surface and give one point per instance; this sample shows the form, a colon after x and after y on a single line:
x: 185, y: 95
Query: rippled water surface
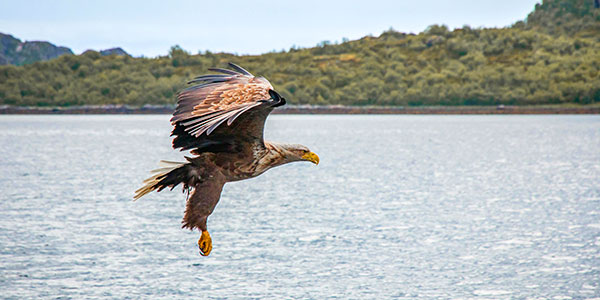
x: 484, y: 207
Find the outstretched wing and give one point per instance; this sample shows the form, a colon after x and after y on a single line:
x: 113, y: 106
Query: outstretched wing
x: 218, y: 98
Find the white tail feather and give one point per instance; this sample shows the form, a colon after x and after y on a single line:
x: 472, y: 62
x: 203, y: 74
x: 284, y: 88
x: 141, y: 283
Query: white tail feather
x: 169, y: 164
x: 149, y: 183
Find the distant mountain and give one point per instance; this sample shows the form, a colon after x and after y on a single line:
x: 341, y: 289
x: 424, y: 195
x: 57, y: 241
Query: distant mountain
x: 16, y: 52
x: 113, y: 51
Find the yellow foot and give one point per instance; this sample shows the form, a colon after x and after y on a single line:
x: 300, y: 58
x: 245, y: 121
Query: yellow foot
x: 205, y: 243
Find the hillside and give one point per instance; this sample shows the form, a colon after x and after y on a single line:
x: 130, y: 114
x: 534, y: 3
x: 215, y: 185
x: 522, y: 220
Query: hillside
x: 570, y: 17
x: 538, y: 61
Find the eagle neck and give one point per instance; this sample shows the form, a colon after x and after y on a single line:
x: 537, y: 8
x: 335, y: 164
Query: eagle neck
x: 272, y: 156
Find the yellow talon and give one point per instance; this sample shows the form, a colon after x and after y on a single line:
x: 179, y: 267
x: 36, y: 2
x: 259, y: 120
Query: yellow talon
x: 205, y: 243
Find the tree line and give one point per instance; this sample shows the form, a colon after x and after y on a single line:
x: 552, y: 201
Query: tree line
x: 519, y: 65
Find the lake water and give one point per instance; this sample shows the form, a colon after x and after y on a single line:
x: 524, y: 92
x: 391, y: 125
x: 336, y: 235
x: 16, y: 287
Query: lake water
x: 421, y: 207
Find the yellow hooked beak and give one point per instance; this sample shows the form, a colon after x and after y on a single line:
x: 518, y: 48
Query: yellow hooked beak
x: 312, y: 157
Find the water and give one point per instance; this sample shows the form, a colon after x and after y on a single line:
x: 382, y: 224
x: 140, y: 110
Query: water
x: 422, y: 207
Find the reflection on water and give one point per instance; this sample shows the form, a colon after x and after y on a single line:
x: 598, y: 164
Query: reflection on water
x: 490, y: 207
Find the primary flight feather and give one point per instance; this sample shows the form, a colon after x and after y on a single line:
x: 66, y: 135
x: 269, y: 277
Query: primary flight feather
x: 221, y: 121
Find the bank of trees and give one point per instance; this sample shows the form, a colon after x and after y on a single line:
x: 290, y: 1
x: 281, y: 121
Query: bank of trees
x: 518, y: 66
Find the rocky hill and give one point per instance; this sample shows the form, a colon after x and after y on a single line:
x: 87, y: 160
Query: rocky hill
x: 113, y: 51
x: 13, y: 51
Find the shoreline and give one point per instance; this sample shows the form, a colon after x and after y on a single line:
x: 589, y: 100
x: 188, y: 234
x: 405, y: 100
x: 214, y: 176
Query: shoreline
x: 305, y: 109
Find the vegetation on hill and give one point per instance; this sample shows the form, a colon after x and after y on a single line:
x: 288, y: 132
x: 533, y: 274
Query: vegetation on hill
x: 529, y: 63
x: 566, y: 17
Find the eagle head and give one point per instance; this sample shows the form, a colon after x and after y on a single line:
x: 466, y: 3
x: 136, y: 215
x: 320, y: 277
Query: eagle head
x: 296, y: 152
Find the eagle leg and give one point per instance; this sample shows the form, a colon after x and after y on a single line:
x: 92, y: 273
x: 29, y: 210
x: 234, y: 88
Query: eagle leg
x: 201, y: 204
x: 205, y: 243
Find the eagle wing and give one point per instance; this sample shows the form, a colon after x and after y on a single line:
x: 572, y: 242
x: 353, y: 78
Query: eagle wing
x: 218, y: 98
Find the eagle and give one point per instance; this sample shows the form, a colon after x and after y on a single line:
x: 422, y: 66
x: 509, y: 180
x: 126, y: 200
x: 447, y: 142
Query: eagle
x: 220, y: 120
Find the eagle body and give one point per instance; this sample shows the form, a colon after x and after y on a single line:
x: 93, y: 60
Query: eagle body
x: 221, y: 122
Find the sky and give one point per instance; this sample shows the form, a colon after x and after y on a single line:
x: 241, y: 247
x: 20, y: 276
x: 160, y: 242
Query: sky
x: 151, y: 27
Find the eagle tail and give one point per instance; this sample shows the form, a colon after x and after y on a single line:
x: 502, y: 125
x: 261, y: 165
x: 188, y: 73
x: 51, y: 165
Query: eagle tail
x: 170, y: 174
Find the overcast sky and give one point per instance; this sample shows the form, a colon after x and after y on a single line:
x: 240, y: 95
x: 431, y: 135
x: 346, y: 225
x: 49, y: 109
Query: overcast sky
x: 151, y: 27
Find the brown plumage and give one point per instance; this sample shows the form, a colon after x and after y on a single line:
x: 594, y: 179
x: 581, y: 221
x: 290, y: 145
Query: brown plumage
x: 221, y: 121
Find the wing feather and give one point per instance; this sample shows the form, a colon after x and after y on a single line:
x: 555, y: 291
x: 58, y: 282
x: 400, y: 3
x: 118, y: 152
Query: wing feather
x: 218, y: 98
x: 211, y: 78
x: 241, y: 111
x: 224, y: 71
x: 239, y: 69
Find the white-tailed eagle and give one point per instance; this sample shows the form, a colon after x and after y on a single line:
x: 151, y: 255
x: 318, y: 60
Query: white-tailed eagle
x: 221, y: 121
